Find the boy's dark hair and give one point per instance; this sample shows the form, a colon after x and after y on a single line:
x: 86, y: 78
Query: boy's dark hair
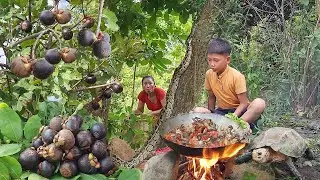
x: 146, y: 77
x: 219, y: 46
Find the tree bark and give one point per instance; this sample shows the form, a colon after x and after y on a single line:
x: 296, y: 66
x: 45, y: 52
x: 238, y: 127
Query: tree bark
x: 188, y: 79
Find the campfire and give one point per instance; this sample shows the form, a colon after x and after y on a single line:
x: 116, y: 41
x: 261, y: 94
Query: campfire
x: 215, y: 164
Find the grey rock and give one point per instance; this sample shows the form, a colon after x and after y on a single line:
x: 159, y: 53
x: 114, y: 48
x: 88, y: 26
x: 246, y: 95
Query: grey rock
x: 307, y: 163
x: 160, y: 167
x: 314, y: 125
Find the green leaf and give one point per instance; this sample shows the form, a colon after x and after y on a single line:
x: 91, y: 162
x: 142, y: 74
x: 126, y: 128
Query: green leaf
x: 93, y: 177
x: 111, y: 20
x: 59, y: 177
x: 4, y: 172
x: 13, y: 166
x: 25, y: 174
x: 9, y: 149
x: 10, y: 124
x: 304, y: 2
x: 130, y: 174
x: 35, y: 176
x: 249, y: 176
x: 32, y: 127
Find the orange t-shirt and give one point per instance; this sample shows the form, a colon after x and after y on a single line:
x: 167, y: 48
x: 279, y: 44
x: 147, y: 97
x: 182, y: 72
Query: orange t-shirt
x: 226, y: 86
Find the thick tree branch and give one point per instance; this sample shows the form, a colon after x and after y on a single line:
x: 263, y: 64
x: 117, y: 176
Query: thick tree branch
x: 101, y: 2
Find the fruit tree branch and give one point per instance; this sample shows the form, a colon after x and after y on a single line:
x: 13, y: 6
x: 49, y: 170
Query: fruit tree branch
x: 93, y: 87
x: 29, y: 9
x: 101, y: 2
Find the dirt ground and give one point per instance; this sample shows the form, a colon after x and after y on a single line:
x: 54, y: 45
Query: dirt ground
x: 310, y: 130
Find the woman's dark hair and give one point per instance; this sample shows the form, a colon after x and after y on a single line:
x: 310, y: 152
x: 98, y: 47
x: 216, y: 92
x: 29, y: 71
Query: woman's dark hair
x: 146, y: 77
x: 219, y: 46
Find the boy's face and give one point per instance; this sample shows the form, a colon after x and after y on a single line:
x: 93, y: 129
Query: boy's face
x: 218, y: 62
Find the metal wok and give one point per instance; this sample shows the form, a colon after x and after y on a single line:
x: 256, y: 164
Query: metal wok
x: 222, y: 123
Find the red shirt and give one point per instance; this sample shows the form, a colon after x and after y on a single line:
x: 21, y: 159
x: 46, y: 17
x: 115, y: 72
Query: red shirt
x: 160, y: 94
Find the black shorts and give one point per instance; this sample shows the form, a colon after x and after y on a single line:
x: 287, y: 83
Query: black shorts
x: 226, y: 111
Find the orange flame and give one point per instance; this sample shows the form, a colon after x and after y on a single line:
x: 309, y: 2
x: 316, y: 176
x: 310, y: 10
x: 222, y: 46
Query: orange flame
x: 211, y: 157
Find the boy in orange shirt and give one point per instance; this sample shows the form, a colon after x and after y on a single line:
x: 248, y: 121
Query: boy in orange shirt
x: 227, y: 87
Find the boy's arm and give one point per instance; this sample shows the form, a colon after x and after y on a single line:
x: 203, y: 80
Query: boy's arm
x: 211, y: 100
x: 243, y: 99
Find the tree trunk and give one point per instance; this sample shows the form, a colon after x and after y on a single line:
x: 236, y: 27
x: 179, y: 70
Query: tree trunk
x: 187, y: 80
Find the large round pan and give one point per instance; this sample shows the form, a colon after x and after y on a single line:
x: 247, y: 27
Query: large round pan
x: 221, y: 122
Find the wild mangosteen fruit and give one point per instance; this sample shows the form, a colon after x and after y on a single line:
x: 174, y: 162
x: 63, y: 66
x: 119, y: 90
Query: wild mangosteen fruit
x: 84, y: 140
x: 101, y: 48
x: 107, y: 93
x: 99, y: 149
x: 46, y: 169
x: 106, y: 165
x: 88, y: 164
x: 47, y: 18
x: 63, y: 16
x: 48, y: 135
x: 53, y: 56
x: 73, y: 154
x: 29, y: 159
x: 73, y: 123
x: 21, y: 66
x: 67, y: 33
x: 86, y: 37
x: 88, y: 22
x: 68, y: 54
x: 26, y: 26
x: 42, y: 69
x: 50, y: 152
x: 98, y: 131
x: 95, y: 105
x: 64, y: 139
x: 77, y: 118
x: 90, y: 78
x: 103, y: 36
x: 37, y: 143
x: 68, y: 169
x: 56, y: 123
x: 117, y: 87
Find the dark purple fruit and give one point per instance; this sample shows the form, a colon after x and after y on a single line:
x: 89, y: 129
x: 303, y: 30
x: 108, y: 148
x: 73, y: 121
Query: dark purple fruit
x: 21, y: 66
x: 29, y: 159
x: 88, y: 22
x: 117, y: 87
x: 48, y: 135
x: 67, y: 33
x: 107, y: 93
x: 53, y: 56
x: 26, y: 26
x: 84, y: 140
x: 86, y: 37
x: 73, y: 124
x: 68, y: 169
x: 73, y: 154
x: 64, y: 139
x: 46, y: 169
x: 37, y: 143
x: 101, y: 49
x: 98, y: 131
x: 90, y: 79
x: 106, y: 165
x: 104, y: 36
x: 50, y: 152
x: 63, y: 16
x: 56, y: 123
x: 42, y: 69
x: 99, y: 149
x: 88, y: 164
x: 47, y: 18
x: 68, y: 54
x: 95, y: 105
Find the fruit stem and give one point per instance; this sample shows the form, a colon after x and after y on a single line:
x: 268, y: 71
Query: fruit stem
x: 29, y: 9
x: 33, y: 56
x: 101, y: 2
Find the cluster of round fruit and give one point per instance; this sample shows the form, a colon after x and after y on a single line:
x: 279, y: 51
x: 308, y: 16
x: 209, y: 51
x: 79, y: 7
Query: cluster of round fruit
x: 76, y: 150
x: 100, y: 43
x: 106, y: 94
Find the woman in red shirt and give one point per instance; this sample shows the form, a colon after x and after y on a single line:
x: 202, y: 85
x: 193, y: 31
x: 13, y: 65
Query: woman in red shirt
x: 152, y: 96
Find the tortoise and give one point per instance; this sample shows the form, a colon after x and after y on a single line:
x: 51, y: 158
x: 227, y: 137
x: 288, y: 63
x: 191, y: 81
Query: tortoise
x: 277, y: 144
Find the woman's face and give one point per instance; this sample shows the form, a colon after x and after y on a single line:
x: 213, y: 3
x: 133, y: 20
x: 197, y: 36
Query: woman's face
x: 148, y: 85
